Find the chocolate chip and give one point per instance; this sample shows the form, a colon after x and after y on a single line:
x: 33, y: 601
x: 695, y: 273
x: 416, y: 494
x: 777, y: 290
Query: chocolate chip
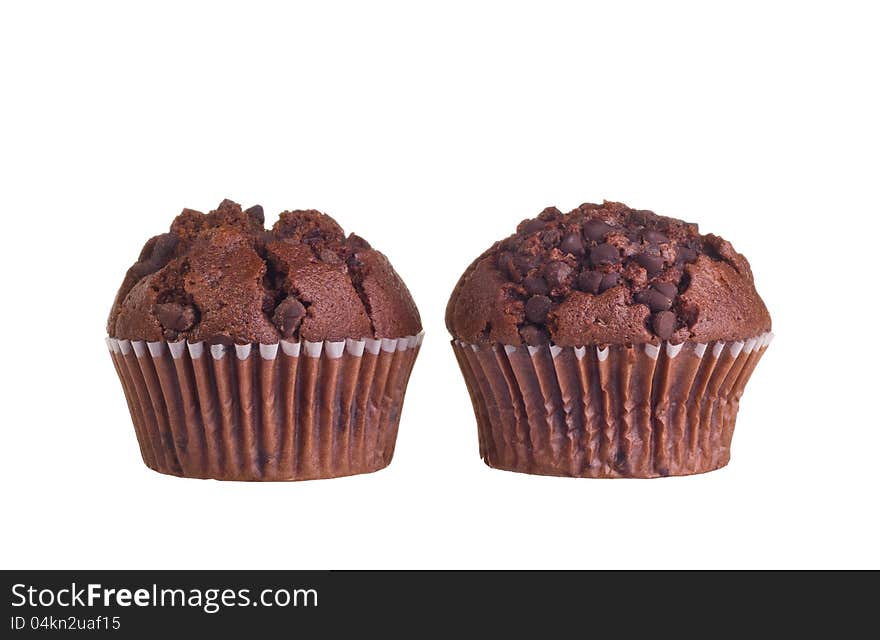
x: 663, y: 324
x: 329, y: 256
x: 140, y: 269
x: 175, y: 316
x: 654, y: 300
x: 652, y: 264
x: 609, y: 280
x: 655, y: 237
x: 685, y: 254
x: 147, y: 249
x: 537, y: 309
x: 354, y: 262
x: 589, y: 281
x: 668, y: 289
x: 532, y: 226
x: 288, y: 316
x: 170, y: 335
x: 226, y: 341
x: 572, y: 243
x: 556, y: 273
x: 314, y: 236
x: 164, y: 247
x: 640, y: 216
x: 551, y: 237
x: 604, y: 254
x: 256, y: 214
x: 536, y: 286
x: 516, y: 266
x: 534, y: 336
x: 596, y: 230
x: 550, y: 213
x: 524, y: 264
x: 507, y: 266
x: 356, y: 243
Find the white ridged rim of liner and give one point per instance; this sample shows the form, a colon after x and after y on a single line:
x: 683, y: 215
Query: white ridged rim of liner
x: 355, y: 347
x: 177, y: 349
x: 332, y: 348
x: 290, y: 349
x: 373, y: 346
x: 268, y: 351
x: 673, y: 350
x: 313, y: 349
x: 653, y: 351
x: 140, y: 350
x: 196, y: 349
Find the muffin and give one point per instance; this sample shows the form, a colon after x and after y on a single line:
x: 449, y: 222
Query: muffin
x: 607, y: 342
x: 254, y: 354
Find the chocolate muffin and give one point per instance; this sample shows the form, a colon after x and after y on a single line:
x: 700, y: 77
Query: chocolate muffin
x: 607, y: 342
x: 255, y: 354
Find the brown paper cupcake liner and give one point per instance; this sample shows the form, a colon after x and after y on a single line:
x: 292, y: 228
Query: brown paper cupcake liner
x: 286, y: 411
x: 613, y: 412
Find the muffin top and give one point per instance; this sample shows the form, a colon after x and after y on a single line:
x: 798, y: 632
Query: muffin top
x: 606, y: 274
x: 224, y: 278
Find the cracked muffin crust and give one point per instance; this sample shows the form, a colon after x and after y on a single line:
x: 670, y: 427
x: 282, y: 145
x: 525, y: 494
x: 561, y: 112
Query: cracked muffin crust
x: 606, y: 274
x: 222, y: 277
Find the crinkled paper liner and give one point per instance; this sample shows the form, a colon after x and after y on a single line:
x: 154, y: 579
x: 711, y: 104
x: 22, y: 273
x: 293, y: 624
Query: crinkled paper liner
x: 287, y: 411
x: 615, y: 412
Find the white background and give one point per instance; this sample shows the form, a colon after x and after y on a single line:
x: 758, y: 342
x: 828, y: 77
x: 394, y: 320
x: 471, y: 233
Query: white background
x: 432, y: 132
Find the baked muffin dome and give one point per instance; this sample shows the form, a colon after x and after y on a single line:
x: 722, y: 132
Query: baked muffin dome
x: 606, y: 275
x: 222, y: 277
